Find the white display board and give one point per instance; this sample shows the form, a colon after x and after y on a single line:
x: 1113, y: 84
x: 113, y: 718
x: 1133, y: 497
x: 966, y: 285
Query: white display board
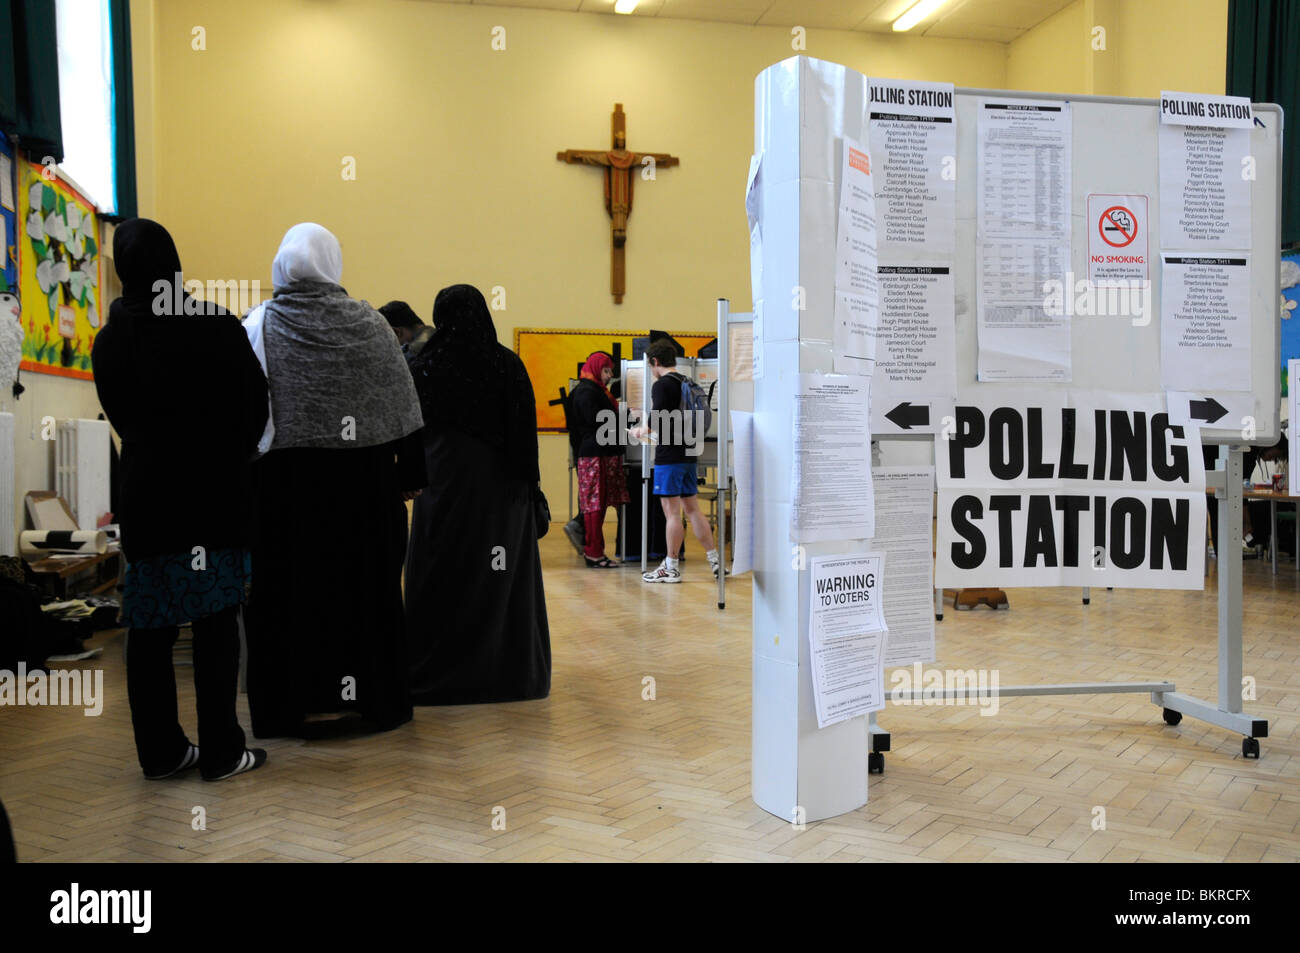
x: 1115, y: 152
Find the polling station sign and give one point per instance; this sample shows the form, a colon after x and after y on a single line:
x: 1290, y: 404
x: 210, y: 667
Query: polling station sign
x: 1069, y: 489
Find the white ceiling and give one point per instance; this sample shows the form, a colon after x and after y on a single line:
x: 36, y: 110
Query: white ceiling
x: 1000, y: 21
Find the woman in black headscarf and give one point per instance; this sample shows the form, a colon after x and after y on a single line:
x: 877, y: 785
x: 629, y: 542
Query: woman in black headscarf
x: 475, y: 608
x: 184, y: 391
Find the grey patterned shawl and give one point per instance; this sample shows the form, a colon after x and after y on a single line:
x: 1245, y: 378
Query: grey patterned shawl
x: 336, y: 372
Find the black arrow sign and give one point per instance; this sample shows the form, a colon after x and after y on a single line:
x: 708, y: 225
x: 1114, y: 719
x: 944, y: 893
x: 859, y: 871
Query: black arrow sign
x: 1208, y: 410
x: 906, y: 415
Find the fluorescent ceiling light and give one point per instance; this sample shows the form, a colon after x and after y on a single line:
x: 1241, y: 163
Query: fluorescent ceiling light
x: 625, y: 6
x: 916, y: 13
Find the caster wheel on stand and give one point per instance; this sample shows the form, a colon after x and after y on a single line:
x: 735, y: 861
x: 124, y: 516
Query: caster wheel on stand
x: 1172, y: 717
x: 1250, y: 748
x: 875, y: 763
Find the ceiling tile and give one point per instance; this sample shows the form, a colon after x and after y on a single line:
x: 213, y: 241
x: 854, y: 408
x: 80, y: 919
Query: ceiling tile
x: 1000, y: 21
x: 1020, y: 14
x: 973, y: 31
x: 570, y: 5
x: 722, y: 11
x: 819, y: 14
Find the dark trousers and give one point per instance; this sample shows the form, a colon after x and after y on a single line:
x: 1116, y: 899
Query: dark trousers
x: 160, y: 740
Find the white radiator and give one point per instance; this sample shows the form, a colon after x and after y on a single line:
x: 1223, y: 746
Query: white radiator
x: 8, y: 528
x: 81, y: 469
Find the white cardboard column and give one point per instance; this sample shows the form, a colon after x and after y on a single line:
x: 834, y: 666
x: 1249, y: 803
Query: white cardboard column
x: 803, y: 110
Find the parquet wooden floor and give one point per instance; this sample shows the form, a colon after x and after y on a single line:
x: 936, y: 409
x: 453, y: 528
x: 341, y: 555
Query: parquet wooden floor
x: 597, y: 773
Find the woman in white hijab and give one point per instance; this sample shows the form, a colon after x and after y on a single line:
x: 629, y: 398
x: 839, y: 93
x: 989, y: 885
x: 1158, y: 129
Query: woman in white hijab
x: 325, y: 624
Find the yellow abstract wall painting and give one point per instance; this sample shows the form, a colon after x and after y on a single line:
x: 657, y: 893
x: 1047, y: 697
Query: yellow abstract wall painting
x: 552, y: 356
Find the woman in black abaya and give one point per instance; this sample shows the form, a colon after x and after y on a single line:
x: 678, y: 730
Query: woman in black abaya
x: 325, y: 628
x: 183, y: 390
x: 475, y: 608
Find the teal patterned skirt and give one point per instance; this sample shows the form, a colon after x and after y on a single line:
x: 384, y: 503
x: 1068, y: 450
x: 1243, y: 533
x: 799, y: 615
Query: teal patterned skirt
x: 162, y: 591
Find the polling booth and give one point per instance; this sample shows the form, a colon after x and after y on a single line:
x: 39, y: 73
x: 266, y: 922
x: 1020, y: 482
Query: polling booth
x: 1066, y: 297
x: 642, y: 537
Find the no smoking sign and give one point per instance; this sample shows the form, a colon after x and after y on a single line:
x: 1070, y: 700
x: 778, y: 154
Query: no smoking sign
x: 1117, y: 240
x: 1118, y: 226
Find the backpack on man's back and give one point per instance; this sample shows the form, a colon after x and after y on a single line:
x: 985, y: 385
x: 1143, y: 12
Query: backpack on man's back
x: 695, y: 400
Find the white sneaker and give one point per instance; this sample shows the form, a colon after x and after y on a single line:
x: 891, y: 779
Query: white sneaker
x: 662, y: 574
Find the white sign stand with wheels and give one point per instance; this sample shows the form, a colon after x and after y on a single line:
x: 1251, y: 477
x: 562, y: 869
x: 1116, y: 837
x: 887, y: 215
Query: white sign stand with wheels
x: 804, y: 110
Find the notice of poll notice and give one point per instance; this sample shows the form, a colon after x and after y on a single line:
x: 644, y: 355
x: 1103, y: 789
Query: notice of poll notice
x: 1023, y: 170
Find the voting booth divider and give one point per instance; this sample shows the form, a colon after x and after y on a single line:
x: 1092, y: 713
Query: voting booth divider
x: 900, y: 238
x: 637, y: 383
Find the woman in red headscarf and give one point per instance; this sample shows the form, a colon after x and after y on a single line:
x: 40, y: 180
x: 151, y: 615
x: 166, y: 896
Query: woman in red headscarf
x: 594, y: 433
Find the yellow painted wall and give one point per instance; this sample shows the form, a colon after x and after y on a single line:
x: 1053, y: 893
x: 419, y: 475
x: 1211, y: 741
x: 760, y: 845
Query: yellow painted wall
x: 1150, y: 45
x: 455, y: 149
x: 1051, y: 57
x: 1173, y: 44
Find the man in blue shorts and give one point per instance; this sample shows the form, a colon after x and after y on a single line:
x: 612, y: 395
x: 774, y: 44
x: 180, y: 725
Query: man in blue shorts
x: 679, y: 443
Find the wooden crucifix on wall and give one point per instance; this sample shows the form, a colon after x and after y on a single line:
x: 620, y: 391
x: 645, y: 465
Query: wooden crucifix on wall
x: 618, y: 164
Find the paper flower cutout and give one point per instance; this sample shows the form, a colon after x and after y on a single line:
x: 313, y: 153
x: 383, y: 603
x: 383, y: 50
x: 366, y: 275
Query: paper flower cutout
x: 56, y: 227
x: 45, y: 275
x: 35, y: 226
x: 1289, y: 273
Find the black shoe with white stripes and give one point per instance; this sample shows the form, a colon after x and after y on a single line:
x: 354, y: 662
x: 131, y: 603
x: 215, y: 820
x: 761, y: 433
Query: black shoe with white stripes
x: 251, y: 759
x: 190, y: 759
